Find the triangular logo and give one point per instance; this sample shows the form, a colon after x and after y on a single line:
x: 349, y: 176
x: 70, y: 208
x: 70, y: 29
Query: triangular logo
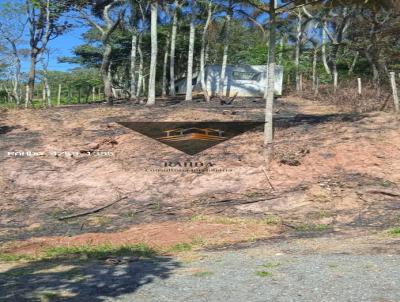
x: 191, y: 137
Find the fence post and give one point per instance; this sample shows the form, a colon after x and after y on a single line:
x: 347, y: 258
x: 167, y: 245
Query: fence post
x: 359, y: 86
x: 59, y: 95
x: 395, y: 94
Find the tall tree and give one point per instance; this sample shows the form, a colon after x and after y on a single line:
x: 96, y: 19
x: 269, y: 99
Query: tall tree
x: 12, y: 27
x: 189, y: 74
x: 203, y: 51
x: 174, y: 29
x: 228, y: 18
x: 106, y: 28
x: 43, y: 18
x: 153, y: 60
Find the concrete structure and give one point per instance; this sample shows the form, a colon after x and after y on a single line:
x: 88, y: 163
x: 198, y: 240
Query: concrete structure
x: 245, y: 80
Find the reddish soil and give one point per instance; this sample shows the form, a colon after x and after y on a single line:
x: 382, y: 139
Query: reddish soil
x: 338, y: 170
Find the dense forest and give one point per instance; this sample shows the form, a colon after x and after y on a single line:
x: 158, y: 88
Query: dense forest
x: 138, y: 49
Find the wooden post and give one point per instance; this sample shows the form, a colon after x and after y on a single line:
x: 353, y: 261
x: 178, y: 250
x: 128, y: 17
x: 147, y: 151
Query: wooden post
x: 395, y: 93
x: 27, y: 96
x: 359, y: 86
x: 59, y: 95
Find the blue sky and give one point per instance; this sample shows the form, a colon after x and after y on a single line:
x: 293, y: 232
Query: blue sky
x: 61, y: 46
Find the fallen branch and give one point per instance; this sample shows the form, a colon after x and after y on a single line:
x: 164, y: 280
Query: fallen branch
x: 93, y: 210
x: 384, y: 192
x: 243, y: 201
x: 269, y: 181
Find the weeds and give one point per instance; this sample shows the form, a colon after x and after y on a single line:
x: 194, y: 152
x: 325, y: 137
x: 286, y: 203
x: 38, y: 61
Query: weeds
x: 394, y: 231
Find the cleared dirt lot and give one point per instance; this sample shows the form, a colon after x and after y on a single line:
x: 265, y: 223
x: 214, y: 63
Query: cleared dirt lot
x: 332, y: 172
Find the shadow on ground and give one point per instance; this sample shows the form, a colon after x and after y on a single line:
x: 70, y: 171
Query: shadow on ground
x: 80, y: 280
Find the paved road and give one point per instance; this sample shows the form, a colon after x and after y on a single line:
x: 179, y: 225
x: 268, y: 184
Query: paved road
x: 263, y: 273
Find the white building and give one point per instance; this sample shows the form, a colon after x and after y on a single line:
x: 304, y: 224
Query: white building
x: 244, y: 80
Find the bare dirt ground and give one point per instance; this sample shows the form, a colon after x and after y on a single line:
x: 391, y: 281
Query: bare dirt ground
x: 332, y: 172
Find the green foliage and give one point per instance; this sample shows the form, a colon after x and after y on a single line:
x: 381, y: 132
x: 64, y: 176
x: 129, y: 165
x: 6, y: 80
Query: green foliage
x: 181, y: 247
x: 394, y: 231
x: 264, y: 274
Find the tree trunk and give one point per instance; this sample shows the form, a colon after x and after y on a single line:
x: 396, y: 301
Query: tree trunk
x: 133, y: 66
x: 27, y: 95
x: 202, y: 53
x: 353, y: 65
x: 44, y: 93
x: 165, y: 64
x: 17, y: 77
x: 140, y: 77
x: 395, y: 92
x: 269, y: 91
x: 59, y: 95
x: 189, y: 79
x: 375, y: 72
x: 172, y: 53
x: 314, y: 67
x: 94, y: 94
x: 281, y: 47
x: 105, y: 73
x: 222, y: 81
x: 299, y: 36
x: 31, y: 78
x: 334, y: 53
x: 47, y: 90
x: 323, y: 49
x: 153, y: 61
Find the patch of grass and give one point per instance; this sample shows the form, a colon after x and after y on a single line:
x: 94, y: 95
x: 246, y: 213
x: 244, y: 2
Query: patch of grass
x: 197, y: 241
x: 386, y: 183
x: 394, y: 231
x: 321, y: 214
x: 16, y: 210
x: 332, y: 265
x: 100, y: 251
x: 203, y: 274
x: 272, y: 219
x: 216, y: 219
x: 312, y: 227
x: 322, y: 198
x: 253, y: 194
x: 48, y: 296
x: 271, y: 264
x: 10, y: 257
x: 131, y: 214
x: 263, y: 274
x: 99, y: 221
x: 181, y: 247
